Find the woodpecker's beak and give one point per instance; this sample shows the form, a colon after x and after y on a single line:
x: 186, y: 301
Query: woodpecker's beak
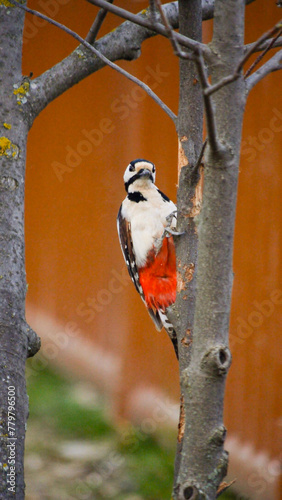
x: 144, y: 172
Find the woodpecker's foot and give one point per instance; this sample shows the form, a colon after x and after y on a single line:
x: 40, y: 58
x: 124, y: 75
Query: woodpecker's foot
x: 170, y: 229
x: 170, y: 218
x: 168, y: 232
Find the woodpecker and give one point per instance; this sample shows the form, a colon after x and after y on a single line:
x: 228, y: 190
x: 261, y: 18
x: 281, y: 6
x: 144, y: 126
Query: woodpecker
x: 146, y: 224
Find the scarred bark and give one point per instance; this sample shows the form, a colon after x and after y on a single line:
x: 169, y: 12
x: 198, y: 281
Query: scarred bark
x: 190, y: 133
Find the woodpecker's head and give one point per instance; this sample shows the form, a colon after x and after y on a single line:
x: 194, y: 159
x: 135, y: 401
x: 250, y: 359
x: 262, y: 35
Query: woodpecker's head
x: 138, y: 174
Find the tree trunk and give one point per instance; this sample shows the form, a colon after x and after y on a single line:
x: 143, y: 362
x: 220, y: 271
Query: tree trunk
x: 14, y: 334
x: 190, y: 136
x: 204, y: 461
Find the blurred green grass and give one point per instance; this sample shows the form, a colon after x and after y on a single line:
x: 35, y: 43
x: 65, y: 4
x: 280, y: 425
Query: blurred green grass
x: 133, y: 465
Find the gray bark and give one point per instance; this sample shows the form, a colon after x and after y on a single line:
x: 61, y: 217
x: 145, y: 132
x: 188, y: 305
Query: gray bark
x: 190, y: 134
x: 204, y: 461
x: 16, y: 340
x: 201, y: 460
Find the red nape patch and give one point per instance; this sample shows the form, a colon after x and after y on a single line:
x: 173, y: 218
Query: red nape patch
x: 158, y: 277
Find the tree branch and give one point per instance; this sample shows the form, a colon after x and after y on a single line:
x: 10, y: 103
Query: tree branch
x: 123, y: 43
x: 107, y: 61
x: 263, y: 46
x: 141, y: 20
x: 260, y: 57
x: 273, y: 64
x: 209, y: 108
x: 95, y: 28
x: 231, y: 78
x: 197, y: 57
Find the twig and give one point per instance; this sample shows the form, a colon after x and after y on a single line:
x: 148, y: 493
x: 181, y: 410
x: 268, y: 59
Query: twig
x: 209, y: 109
x: 273, y: 64
x: 263, y: 46
x: 197, y: 57
x: 94, y: 30
x: 157, y: 27
x: 153, y: 11
x: 199, y: 160
x: 259, y: 58
x: 231, y: 78
x: 107, y: 61
x: 171, y: 34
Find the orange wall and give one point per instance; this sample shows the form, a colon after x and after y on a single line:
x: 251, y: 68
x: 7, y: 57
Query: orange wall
x: 72, y: 249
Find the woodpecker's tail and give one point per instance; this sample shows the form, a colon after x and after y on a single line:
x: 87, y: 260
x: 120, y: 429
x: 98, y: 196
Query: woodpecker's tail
x: 169, y: 329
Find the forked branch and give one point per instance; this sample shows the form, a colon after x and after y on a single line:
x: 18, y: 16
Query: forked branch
x: 277, y: 29
x: 273, y: 64
x: 149, y: 24
x: 107, y: 61
x: 197, y: 57
x: 95, y: 28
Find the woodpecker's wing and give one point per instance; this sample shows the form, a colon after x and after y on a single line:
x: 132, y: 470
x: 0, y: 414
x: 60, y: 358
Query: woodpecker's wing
x: 124, y: 233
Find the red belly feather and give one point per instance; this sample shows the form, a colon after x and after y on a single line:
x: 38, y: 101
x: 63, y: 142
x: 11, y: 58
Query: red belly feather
x: 158, y: 276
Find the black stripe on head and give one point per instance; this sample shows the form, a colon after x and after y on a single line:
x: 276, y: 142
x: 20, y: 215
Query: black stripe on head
x: 136, y: 177
x: 136, y: 196
x: 164, y: 196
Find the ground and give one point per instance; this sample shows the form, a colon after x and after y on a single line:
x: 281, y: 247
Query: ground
x: 74, y: 451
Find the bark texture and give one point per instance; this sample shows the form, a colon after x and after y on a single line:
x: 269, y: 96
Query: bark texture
x: 204, y: 461
x: 16, y: 340
x: 201, y: 461
x: 190, y: 133
x: 123, y: 43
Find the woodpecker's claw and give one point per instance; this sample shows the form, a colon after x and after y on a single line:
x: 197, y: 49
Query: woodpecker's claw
x: 171, y: 216
x: 172, y: 232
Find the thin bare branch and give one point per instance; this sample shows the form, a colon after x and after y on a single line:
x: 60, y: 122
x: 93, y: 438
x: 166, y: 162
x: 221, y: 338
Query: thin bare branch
x: 114, y: 66
x: 209, y: 108
x: 273, y: 64
x: 263, y: 46
x: 95, y: 28
x: 259, y: 58
x: 230, y: 78
x: 197, y: 57
x: 171, y: 34
x: 153, y: 12
x: 146, y: 23
x: 200, y: 159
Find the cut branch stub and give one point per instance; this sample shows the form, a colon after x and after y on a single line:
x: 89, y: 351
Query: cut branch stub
x: 34, y: 341
x: 217, y: 361
x: 219, y: 435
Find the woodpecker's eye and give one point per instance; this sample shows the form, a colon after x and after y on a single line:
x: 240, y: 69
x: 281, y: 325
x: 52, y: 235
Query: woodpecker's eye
x: 153, y: 169
x: 131, y: 168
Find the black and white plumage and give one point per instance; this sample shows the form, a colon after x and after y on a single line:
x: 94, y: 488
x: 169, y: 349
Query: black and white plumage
x: 145, y: 221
